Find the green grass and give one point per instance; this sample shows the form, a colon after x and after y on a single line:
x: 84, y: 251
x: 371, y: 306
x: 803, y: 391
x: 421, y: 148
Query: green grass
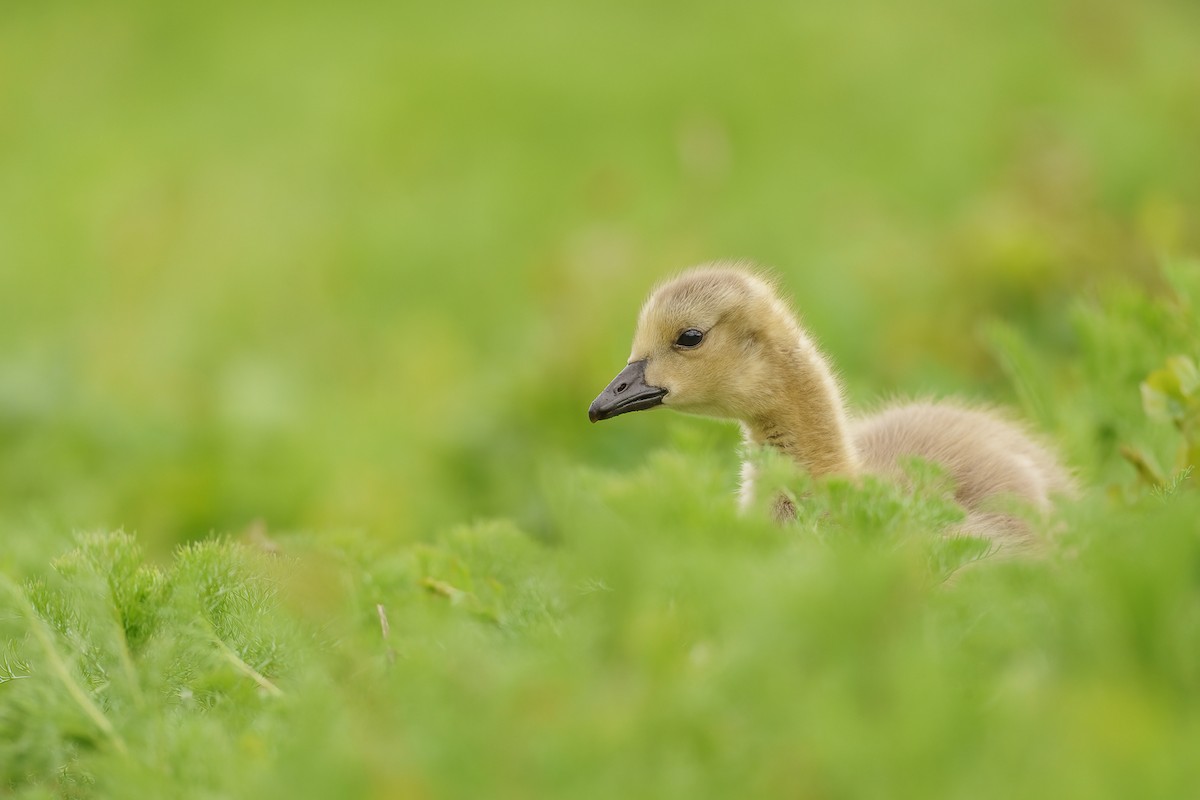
x: 310, y: 299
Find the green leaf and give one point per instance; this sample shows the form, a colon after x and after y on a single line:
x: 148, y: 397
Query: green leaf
x: 1187, y: 376
x: 1157, y: 399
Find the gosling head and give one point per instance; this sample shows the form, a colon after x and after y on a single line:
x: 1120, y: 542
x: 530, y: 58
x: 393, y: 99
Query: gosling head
x: 707, y: 342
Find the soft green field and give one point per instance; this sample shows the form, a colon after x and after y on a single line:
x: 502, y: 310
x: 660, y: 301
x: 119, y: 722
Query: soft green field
x: 302, y: 306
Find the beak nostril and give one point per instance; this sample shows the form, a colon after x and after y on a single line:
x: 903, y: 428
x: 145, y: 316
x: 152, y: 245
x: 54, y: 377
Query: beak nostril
x: 627, y: 392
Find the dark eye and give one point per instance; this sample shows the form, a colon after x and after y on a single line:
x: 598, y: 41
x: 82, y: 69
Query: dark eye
x: 689, y: 338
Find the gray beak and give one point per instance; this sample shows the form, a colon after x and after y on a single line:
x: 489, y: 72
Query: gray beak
x: 627, y: 392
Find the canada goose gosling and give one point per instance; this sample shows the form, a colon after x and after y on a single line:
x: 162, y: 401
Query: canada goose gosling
x: 718, y: 341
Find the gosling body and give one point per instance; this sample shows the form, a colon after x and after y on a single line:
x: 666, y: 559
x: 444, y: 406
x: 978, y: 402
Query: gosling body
x: 719, y: 341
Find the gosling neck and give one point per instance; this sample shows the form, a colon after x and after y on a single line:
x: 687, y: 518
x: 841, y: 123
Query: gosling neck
x: 803, y: 415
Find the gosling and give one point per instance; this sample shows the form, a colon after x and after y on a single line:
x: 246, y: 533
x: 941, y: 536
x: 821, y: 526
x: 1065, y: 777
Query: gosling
x: 718, y: 341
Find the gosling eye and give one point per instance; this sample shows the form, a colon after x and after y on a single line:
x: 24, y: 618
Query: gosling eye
x: 689, y: 339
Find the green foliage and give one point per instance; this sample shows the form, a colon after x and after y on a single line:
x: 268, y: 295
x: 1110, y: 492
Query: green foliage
x: 661, y: 642
x: 1172, y: 394
x: 1124, y: 337
x: 117, y: 656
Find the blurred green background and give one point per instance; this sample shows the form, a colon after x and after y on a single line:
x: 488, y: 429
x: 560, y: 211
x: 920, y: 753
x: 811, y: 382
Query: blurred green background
x: 363, y: 265
x: 329, y: 288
